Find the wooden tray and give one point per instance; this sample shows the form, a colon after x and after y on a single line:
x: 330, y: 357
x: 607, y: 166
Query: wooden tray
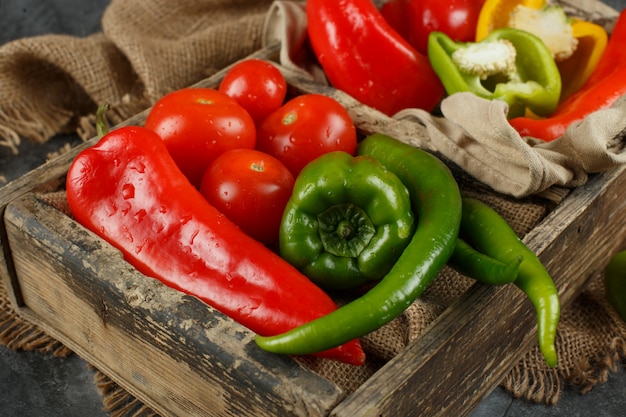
x: 181, y: 357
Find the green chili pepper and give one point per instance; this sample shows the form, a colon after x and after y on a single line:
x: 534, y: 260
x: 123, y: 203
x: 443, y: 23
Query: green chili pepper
x: 615, y: 281
x: 347, y: 221
x: 492, y: 235
x: 510, y: 64
x: 436, y: 200
x: 481, y: 267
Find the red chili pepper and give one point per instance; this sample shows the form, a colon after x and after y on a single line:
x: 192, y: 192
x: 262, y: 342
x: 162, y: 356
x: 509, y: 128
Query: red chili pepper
x: 605, y: 85
x: 363, y: 56
x: 128, y: 190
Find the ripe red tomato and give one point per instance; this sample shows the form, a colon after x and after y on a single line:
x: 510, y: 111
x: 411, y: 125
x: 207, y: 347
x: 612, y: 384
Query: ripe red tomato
x: 304, y: 128
x: 250, y: 188
x: 197, y: 125
x: 456, y: 18
x: 257, y: 86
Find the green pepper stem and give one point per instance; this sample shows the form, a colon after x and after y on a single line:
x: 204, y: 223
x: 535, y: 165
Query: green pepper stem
x: 345, y: 230
x: 347, y: 221
x: 101, y: 125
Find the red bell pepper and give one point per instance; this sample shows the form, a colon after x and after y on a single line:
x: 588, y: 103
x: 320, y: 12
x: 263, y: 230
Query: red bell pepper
x: 128, y: 190
x: 606, y: 84
x: 364, y: 57
x: 394, y: 13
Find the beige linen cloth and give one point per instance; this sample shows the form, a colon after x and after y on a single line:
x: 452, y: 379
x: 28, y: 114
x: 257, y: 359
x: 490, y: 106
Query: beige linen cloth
x: 53, y: 84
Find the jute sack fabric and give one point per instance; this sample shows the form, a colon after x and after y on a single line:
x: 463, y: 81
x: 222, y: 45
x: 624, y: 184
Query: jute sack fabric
x: 148, y: 48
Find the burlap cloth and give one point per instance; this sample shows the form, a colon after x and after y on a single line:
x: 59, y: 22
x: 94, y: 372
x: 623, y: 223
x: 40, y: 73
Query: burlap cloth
x: 53, y: 84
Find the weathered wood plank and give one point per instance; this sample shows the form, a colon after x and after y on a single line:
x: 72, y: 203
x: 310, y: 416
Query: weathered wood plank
x: 197, y: 362
x: 471, y: 346
x: 170, y: 350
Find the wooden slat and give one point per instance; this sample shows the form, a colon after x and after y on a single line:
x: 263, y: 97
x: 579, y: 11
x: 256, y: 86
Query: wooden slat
x: 52, y: 173
x: 473, y: 344
x: 170, y: 350
x: 198, y: 362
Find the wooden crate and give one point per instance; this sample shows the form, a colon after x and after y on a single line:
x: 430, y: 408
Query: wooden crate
x: 181, y: 357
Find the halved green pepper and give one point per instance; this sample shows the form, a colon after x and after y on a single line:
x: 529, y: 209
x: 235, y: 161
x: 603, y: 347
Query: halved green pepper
x: 347, y: 222
x: 510, y: 64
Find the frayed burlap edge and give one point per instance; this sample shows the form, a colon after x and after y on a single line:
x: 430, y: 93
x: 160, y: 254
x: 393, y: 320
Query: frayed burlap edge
x: 18, y: 334
x: 39, y: 132
x: 117, y: 401
x: 586, y: 359
x: 49, y: 122
x: 50, y: 80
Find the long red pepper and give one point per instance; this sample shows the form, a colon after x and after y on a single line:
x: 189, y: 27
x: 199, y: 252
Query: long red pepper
x: 364, y: 57
x: 605, y: 85
x: 128, y: 190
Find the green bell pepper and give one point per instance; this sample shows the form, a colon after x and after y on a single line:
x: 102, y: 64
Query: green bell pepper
x: 347, y: 222
x: 510, y: 65
x: 436, y: 200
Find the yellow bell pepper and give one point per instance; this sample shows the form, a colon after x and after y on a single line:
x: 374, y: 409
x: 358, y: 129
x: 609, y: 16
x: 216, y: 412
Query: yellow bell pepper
x: 591, y: 40
x: 575, y: 70
x: 495, y: 14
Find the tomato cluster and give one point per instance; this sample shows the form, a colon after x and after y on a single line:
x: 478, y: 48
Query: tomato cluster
x: 243, y: 144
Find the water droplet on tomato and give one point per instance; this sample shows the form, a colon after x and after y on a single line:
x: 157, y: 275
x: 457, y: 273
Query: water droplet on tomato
x: 112, y: 209
x: 139, y: 248
x: 158, y: 227
x: 140, y: 215
x: 128, y: 235
x: 125, y: 208
x: 138, y: 166
x: 128, y: 191
x: 193, y: 236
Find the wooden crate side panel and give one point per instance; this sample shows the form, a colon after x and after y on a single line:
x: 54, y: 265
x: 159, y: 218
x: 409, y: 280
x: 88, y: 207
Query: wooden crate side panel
x: 42, y: 177
x: 172, y: 351
x: 473, y: 344
x: 55, y: 170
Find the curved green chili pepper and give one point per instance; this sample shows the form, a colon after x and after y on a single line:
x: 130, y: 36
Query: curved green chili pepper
x: 347, y: 221
x: 492, y: 235
x: 481, y: 267
x: 436, y: 200
x: 615, y: 282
